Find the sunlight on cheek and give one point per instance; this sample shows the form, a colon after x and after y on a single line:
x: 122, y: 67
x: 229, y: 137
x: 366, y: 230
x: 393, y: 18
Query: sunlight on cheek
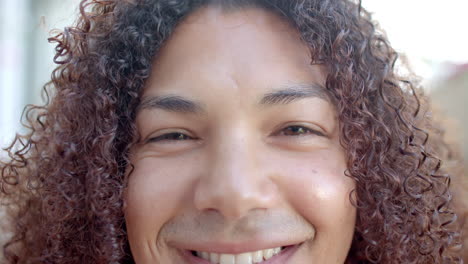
x: 314, y: 183
x: 325, y: 194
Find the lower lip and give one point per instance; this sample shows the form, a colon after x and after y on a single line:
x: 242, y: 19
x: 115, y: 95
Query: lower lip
x: 280, y: 258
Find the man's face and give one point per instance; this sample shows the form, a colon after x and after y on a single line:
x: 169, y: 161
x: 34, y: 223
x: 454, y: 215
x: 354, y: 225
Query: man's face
x: 239, y: 159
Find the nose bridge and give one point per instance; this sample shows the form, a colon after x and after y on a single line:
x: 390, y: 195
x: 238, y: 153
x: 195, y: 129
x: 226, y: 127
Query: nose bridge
x: 234, y: 154
x: 233, y: 183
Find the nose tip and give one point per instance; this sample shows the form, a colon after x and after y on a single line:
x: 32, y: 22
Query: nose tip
x: 233, y: 199
x: 233, y: 185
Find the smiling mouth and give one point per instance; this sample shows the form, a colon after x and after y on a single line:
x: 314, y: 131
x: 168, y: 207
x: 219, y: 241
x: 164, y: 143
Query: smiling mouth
x: 259, y: 256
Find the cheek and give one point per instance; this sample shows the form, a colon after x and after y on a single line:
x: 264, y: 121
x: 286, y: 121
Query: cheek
x: 323, y: 200
x: 315, y: 185
x: 317, y: 189
x: 324, y: 190
x: 154, y: 195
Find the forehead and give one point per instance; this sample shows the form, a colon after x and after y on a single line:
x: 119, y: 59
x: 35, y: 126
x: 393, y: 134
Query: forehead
x: 249, y: 48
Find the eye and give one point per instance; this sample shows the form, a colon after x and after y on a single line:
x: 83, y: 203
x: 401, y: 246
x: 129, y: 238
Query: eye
x: 297, y: 130
x: 173, y: 136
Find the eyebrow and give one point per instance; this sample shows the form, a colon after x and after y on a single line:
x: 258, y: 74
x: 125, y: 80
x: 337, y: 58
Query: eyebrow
x: 284, y: 95
x: 290, y: 93
x: 171, y: 103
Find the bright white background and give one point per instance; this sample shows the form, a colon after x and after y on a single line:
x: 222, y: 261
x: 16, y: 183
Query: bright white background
x: 432, y: 33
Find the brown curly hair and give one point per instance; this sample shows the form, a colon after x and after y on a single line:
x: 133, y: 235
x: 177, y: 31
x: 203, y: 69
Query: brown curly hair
x: 62, y: 185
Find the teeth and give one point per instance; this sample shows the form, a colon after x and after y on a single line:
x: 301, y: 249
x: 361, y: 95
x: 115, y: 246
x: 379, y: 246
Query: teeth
x: 257, y: 256
x: 268, y: 253
x: 244, y: 258
x: 227, y: 259
x: 214, y: 257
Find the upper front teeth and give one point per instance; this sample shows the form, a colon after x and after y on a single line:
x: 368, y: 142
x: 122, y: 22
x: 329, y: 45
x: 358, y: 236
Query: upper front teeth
x: 244, y: 258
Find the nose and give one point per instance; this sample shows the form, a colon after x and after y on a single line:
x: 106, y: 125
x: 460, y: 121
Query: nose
x: 234, y: 182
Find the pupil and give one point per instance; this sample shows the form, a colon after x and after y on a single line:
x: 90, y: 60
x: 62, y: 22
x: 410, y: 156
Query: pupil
x: 296, y: 129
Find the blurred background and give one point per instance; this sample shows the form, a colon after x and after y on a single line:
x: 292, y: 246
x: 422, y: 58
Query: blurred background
x: 431, y: 33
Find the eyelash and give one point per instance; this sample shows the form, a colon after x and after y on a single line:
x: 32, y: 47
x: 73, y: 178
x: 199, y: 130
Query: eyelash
x: 168, y: 136
x: 308, y: 130
x: 178, y: 136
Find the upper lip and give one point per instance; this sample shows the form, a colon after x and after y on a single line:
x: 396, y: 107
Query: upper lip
x: 223, y: 247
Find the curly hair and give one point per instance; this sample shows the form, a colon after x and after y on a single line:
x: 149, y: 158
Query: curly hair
x: 63, y: 182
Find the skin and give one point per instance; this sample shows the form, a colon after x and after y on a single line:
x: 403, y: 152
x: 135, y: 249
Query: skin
x: 238, y: 173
